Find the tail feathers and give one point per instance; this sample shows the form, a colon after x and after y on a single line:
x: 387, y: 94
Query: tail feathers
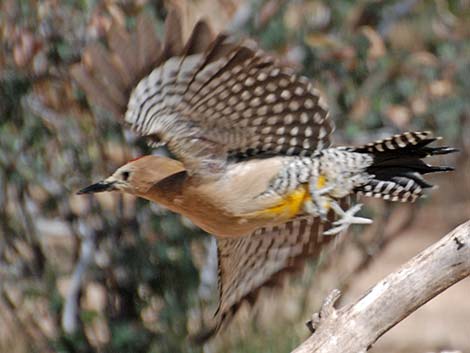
x: 398, y: 167
x: 406, y: 144
x: 400, y: 143
x: 399, y: 189
x: 434, y: 151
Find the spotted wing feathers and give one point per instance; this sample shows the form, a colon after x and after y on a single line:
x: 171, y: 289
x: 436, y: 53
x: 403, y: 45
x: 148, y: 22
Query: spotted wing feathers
x: 261, y: 260
x: 108, y: 75
x: 213, y: 98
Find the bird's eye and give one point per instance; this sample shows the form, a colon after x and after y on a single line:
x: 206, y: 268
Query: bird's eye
x: 125, y: 175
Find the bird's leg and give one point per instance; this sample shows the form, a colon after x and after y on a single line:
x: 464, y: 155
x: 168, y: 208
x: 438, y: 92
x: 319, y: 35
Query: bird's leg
x: 318, y: 188
x: 346, y: 218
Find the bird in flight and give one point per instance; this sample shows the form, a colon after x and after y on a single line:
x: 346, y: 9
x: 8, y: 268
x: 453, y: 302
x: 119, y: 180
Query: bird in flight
x: 253, y: 166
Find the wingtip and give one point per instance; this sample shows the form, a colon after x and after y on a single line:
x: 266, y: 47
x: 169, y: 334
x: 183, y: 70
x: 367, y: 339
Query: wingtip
x: 202, y: 336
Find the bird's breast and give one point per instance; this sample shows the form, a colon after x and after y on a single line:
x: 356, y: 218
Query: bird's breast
x: 237, y: 204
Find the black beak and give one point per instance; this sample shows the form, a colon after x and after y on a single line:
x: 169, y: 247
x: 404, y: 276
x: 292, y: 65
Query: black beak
x: 97, y: 187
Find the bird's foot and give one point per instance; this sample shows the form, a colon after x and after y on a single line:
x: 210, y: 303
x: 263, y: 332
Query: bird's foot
x: 319, y: 203
x: 319, y: 209
x: 347, y: 218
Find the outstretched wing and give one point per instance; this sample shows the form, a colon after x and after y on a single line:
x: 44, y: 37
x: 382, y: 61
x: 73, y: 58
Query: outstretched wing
x: 248, y: 264
x: 211, y: 99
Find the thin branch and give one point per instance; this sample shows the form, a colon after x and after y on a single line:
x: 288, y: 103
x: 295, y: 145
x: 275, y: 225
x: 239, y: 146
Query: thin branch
x: 70, y: 312
x: 354, y: 328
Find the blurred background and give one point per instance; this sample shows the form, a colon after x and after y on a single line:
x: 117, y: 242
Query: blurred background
x: 110, y: 273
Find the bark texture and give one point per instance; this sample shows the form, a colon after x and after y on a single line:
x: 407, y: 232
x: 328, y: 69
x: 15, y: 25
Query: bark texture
x: 354, y: 328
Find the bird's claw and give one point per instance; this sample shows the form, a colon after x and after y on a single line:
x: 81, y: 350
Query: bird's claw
x: 347, y: 218
x: 318, y: 198
x: 317, y: 210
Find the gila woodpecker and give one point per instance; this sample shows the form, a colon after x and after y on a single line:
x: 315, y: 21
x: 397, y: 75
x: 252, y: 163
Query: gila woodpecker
x: 252, y: 140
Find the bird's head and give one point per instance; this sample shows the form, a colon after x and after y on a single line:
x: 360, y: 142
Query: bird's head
x: 137, y: 176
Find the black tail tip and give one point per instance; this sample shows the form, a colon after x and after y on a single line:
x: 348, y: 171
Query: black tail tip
x: 433, y: 151
x: 433, y: 168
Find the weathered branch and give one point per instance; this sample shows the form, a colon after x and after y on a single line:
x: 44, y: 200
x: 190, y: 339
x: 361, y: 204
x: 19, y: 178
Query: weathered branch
x: 354, y: 328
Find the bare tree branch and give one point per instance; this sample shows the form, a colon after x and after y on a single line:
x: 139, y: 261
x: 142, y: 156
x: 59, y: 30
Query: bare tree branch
x: 354, y: 328
x: 87, y: 250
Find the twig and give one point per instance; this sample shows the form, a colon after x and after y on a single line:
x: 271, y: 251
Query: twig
x: 70, y: 313
x: 356, y: 327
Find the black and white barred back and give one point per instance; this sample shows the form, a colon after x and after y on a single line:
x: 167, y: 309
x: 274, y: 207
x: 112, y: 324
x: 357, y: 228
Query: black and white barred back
x: 391, y: 169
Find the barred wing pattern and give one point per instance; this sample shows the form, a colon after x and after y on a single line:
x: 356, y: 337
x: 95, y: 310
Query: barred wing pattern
x: 210, y: 99
x: 108, y: 75
x: 248, y: 264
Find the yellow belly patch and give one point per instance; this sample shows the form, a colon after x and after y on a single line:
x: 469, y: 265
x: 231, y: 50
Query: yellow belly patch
x: 290, y: 205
